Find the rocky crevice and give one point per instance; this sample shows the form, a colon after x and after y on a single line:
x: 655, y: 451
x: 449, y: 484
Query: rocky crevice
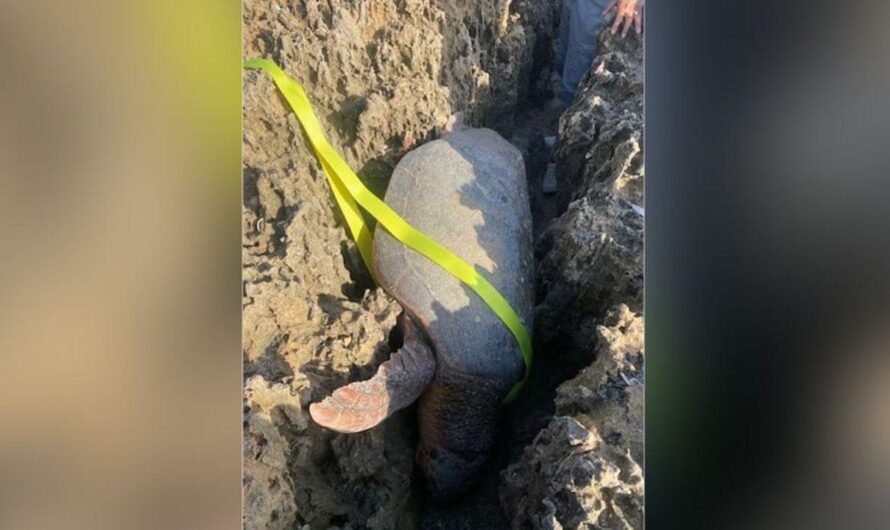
x: 382, y: 76
x: 584, y: 468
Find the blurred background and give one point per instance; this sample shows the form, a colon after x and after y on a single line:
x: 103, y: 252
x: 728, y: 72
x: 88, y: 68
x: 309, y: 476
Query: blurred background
x: 119, y: 290
x: 766, y: 264
x: 767, y: 240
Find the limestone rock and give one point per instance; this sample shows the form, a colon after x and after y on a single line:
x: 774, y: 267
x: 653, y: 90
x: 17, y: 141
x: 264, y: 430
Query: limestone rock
x: 584, y: 470
x: 601, y: 134
x: 382, y: 75
x: 591, y: 257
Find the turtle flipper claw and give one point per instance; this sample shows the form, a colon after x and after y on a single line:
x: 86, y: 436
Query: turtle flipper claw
x: 352, y: 408
x: 398, y: 382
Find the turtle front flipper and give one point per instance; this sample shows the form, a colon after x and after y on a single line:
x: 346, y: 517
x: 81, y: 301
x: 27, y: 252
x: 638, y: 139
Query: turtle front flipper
x: 398, y: 382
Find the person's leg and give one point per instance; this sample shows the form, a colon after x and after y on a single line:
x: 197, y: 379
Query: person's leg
x: 585, y: 21
x: 562, y: 36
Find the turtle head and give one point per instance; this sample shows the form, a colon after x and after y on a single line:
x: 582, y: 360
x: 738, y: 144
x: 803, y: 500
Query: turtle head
x: 448, y: 474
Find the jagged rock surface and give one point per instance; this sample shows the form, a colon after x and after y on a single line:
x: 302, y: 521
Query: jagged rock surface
x: 382, y: 76
x: 591, y: 257
x: 584, y: 469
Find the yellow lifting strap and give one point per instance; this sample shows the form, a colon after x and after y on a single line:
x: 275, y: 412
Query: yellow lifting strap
x: 350, y: 194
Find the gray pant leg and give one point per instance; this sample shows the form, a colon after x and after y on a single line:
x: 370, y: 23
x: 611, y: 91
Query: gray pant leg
x: 585, y: 21
x: 562, y: 37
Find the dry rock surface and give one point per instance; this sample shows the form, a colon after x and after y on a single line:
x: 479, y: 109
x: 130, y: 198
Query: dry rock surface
x: 584, y: 469
x: 382, y: 76
x: 591, y: 257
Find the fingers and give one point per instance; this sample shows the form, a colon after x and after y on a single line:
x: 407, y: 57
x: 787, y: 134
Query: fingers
x: 616, y: 23
x: 621, y: 16
x: 626, y: 15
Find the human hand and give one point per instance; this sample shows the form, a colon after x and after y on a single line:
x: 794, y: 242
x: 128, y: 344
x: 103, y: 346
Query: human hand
x: 626, y: 11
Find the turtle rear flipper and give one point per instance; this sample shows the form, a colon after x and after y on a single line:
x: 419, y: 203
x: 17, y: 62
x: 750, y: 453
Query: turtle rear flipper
x: 398, y: 382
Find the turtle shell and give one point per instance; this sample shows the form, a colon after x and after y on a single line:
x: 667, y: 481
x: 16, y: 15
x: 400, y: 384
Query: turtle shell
x: 468, y: 192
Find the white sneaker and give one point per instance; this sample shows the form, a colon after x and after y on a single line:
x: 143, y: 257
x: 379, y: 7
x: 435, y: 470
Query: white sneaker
x: 549, y: 186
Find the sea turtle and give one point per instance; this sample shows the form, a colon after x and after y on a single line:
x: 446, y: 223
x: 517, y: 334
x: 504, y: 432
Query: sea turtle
x: 467, y: 190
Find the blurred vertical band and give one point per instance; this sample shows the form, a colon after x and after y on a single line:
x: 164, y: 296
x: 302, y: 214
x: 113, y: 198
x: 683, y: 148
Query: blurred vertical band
x: 766, y: 264
x: 119, y: 292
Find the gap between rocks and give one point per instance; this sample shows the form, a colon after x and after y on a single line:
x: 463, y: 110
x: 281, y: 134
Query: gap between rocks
x: 382, y: 75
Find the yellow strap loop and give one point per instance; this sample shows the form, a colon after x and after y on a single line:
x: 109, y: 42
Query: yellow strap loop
x: 350, y: 193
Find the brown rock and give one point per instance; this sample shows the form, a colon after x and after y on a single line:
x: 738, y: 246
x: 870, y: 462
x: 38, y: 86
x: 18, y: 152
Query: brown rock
x: 381, y: 75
